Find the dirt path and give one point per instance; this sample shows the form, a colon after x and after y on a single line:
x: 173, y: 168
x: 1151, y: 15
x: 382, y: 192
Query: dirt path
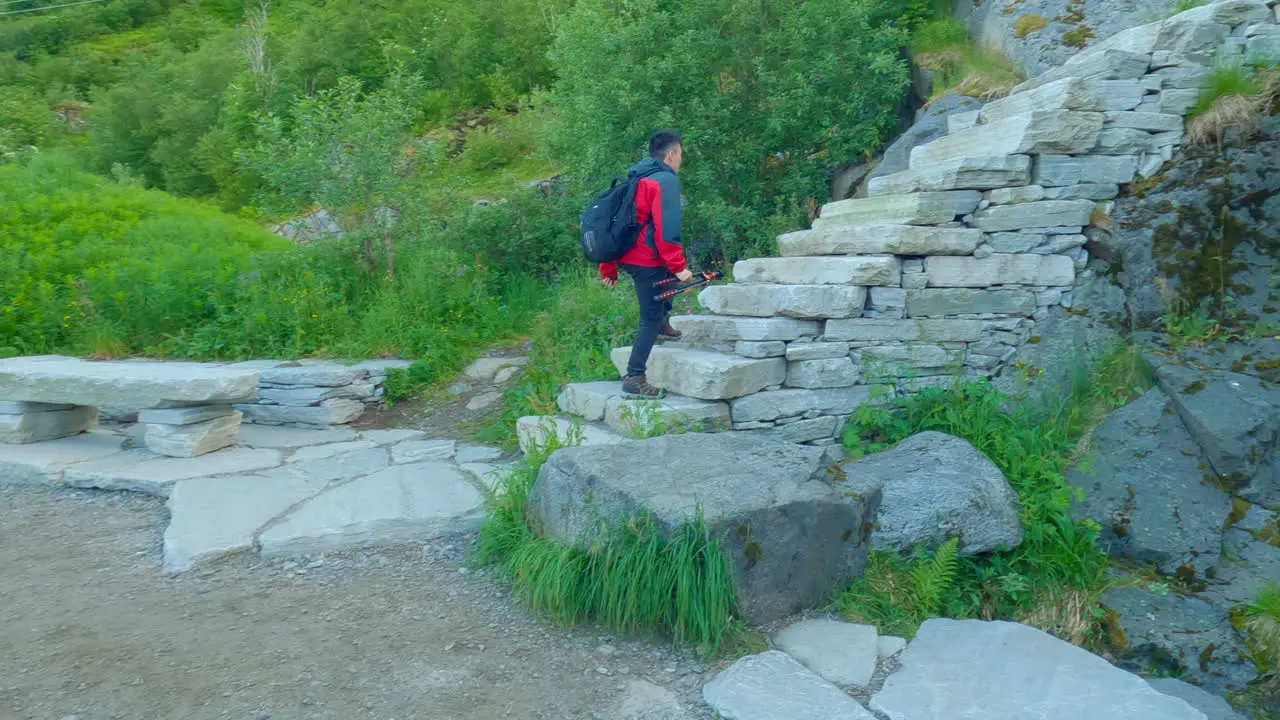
x: 90, y: 628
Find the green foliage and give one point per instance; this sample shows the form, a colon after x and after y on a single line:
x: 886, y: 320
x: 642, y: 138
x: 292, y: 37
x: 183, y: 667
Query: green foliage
x: 1224, y: 79
x: 25, y: 121
x: 767, y: 95
x: 343, y: 150
x: 1262, y: 624
x: 1032, y: 445
x: 943, y: 46
x: 633, y: 578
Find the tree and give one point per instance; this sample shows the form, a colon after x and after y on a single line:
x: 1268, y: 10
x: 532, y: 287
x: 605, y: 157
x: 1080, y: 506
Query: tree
x: 768, y: 94
x: 344, y: 150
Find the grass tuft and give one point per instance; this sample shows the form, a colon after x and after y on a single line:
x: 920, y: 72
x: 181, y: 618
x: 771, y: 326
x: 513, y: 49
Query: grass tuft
x: 1029, y: 23
x: 1262, y: 623
x: 943, y: 47
x: 636, y: 578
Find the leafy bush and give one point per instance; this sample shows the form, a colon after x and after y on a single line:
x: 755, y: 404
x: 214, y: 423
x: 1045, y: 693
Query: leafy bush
x: 767, y: 94
x: 1047, y: 579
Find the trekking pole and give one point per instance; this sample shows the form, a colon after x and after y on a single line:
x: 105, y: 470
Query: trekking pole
x: 706, y: 279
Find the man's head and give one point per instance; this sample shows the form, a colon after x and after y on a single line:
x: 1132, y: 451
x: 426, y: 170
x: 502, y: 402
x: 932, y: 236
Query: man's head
x: 667, y: 146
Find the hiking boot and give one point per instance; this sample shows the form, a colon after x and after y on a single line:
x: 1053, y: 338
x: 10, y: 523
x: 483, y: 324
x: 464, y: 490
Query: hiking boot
x: 666, y: 332
x: 637, y: 385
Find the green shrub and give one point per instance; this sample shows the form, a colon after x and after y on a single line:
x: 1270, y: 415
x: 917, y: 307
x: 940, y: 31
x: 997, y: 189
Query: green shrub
x: 943, y: 46
x: 768, y: 94
x: 1058, y: 565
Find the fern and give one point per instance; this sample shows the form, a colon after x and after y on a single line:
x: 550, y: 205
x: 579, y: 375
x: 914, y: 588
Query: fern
x: 932, y: 578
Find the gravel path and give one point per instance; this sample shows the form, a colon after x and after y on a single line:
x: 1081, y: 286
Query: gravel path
x: 91, y: 628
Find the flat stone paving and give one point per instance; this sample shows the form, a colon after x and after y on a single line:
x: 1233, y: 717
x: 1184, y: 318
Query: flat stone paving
x: 279, y: 491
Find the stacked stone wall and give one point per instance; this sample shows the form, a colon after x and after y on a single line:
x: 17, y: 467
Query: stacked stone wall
x: 944, y: 270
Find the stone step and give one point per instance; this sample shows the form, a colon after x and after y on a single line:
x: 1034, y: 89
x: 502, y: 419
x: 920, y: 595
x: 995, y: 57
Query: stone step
x: 966, y: 172
x: 865, y: 270
x: 536, y: 431
x: 716, y: 329
x: 1066, y: 94
x: 879, y: 240
x: 635, y: 416
x: 923, y: 208
x: 704, y: 374
x: 1035, y: 133
x: 773, y: 686
x: 797, y: 301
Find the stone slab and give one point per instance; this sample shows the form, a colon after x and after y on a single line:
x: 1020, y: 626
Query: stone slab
x: 769, y: 406
x: 535, y: 431
x: 924, y: 208
x: 588, y: 400
x: 1149, y: 121
x: 941, y: 302
x: 1214, y: 707
x: 184, y: 416
x: 1006, y: 671
x: 706, y: 375
x: 879, y: 360
x: 1038, y: 132
x: 727, y: 329
x: 487, y: 368
x: 412, y: 451
x: 1069, y: 93
x: 313, y: 374
x: 644, y: 417
x: 202, y: 438
x: 335, y: 411
x: 388, y: 436
x: 342, y: 466
x: 802, y: 431
x: 878, y: 240
x: 1063, y: 170
x: 265, y: 436
x: 1047, y: 213
x: 8, y: 407
x: 965, y: 172
x: 46, y: 425
x: 774, y: 686
x: 826, y: 373
x: 999, y: 269
x: 129, y: 384
x: 841, y: 653
x: 212, y: 517
x: 302, y: 396
x: 911, y: 330
x: 476, y: 454
x: 1099, y: 64
x: 43, y: 463
x: 816, y: 351
x: 151, y: 474
x: 320, y: 452
x: 764, y: 349
x: 403, y: 503
x: 865, y: 270
x: 794, y: 301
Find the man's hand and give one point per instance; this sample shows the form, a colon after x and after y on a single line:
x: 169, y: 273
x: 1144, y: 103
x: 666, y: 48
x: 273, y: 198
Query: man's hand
x: 684, y: 275
x: 609, y: 281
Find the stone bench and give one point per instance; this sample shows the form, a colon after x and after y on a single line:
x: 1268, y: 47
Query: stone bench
x: 185, y: 408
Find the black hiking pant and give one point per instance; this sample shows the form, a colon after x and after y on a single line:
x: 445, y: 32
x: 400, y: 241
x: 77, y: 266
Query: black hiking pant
x: 652, y: 313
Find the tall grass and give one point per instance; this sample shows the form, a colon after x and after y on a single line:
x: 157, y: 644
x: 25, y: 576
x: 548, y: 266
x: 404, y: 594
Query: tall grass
x: 1058, y: 564
x: 634, y: 579
x: 943, y: 46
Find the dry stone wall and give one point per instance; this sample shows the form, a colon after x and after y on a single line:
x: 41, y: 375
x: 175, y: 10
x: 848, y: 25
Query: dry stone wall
x: 946, y: 267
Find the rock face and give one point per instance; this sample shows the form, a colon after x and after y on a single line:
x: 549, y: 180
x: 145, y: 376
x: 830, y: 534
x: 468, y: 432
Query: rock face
x: 790, y: 537
x: 1143, y: 484
x: 1180, y: 633
x: 1007, y: 671
x: 934, y: 486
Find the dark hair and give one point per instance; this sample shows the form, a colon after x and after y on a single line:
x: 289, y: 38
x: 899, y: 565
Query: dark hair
x: 662, y: 141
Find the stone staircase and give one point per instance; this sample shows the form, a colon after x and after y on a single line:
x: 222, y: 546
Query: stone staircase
x: 946, y: 268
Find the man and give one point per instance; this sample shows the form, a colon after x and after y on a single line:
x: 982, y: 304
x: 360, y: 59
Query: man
x: 657, y: 254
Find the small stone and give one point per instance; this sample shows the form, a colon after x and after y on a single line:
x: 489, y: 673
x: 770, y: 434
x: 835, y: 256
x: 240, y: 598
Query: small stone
x: 505, y: 374
x: 415, y: 451
x: 887, y: 646
x: 487, y: 368
x: 34, y: 427
x: 484, y: 400
x: 459, y: 388
x: 842, y: 653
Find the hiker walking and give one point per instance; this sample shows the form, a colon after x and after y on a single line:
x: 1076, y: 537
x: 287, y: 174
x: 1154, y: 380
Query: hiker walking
x: 656, y: 254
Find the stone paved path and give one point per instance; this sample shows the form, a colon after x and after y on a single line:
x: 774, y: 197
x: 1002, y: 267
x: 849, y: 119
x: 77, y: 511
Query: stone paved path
x: 279, y: 491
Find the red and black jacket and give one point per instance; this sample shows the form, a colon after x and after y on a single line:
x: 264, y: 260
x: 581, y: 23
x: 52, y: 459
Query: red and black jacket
x: 658, y: 212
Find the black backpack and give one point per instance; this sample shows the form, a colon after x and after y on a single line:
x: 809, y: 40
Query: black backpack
x: 609, y: 228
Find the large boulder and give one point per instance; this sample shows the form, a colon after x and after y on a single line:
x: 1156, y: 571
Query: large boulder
x: 1143, y: 484
x: 934, y: 486
x: 790, y: 536
x: 123, y: 383
x: 1007, y: 671
x: 1177, y: 634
